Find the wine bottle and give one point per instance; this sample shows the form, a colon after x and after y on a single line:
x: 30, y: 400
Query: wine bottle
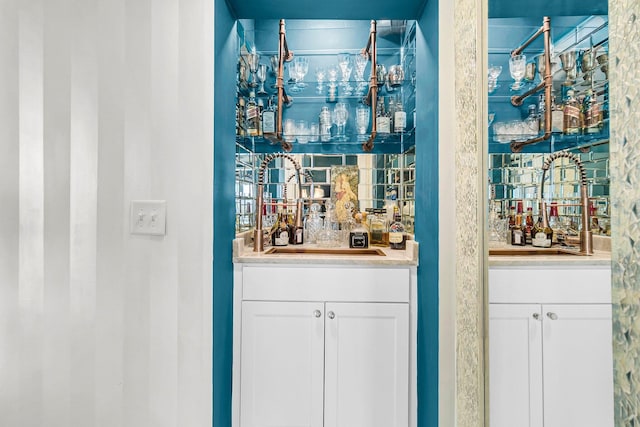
x: 397, y: 234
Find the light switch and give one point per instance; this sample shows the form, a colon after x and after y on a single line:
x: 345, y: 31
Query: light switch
x: 149, y: 217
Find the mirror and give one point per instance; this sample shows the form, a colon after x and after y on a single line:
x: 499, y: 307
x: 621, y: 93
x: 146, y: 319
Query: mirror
x: 516, y: 177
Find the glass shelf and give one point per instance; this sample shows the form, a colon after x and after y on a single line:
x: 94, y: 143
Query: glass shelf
x: 393, y: 143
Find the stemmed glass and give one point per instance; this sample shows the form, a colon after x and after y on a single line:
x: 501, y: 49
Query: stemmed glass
x: 344, y: 62
x: 254, y: 60
x: 321, y: 73
x: 261, y: 74
x: 301, y: 65
x: 517, y: 65
x: 340, y: 117
x: 293, y: 78
x: 568, y: 60
x: 360, y: 64
x: 494, y: 73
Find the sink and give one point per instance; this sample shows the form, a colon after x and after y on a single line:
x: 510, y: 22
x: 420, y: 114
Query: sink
x: 528, y: 251
x: 294, y: 250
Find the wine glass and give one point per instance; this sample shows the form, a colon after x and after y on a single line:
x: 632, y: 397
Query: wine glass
x: 293, y: 78
x: 344, y: 62
x: 254, y: 60
x: 603, y: 61
x: 340, y: 117
x: 494, y: 73
x: 261, y: 74
x: 321, y: 73
x: 568, y: 60
x: 587, y: 64
x: 517, y: 65
x: 360, y: 64
x: 301, y: 64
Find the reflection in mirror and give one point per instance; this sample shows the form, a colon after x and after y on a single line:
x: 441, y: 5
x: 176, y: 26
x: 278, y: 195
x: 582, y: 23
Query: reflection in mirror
x: 549, y: 355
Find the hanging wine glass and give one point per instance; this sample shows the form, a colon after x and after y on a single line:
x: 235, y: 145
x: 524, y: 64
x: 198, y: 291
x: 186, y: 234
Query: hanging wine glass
x: 253, y: 59
x: 517, y: 65
x: 568, y: 60
x: 261, y: 74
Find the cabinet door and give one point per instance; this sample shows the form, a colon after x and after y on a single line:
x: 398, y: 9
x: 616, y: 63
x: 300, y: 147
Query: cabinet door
x: 578, y: 365
x: 515, y: 365
x: 281, y: 378
x: 367, y: 365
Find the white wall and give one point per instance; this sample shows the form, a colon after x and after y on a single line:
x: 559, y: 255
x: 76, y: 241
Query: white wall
x: 102, y: 102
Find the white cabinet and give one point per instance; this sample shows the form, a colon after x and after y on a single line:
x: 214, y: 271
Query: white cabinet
x: 550, y: 364
x: 311, y: 354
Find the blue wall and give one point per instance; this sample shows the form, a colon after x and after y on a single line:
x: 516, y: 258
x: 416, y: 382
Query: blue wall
x: 223, y: 213
x: 426, y: 227
x: 426, y: 203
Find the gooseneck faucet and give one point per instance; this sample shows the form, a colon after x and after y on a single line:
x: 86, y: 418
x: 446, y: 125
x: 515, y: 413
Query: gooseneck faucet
x: 586, y: 236
x: 258, y: 236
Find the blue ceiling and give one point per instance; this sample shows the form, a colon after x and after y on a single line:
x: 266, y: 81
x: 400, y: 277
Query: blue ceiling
x: 326, y: 9
x: 402, y: 9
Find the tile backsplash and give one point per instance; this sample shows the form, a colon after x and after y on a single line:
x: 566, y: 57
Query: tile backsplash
x: 514, y: 177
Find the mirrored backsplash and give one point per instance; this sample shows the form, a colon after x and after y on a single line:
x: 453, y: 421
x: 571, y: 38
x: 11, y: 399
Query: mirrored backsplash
x: 516, y: 177
x: 374, y: 180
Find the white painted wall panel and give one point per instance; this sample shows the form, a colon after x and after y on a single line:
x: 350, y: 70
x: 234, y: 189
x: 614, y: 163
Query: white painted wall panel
x: 103, y: 102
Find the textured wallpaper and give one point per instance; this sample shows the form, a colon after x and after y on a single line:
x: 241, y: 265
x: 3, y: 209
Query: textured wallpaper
x: 624, y: 58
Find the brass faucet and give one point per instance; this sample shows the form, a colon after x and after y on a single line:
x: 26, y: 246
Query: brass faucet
x: 258, y: 236
x: 586, y: 236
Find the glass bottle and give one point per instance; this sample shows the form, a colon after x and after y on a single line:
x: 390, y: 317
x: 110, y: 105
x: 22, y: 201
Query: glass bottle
x: 557, y: 116
x: 529, y: 232
x: 325, y: 124
x: 358, y: 236
x: 572, y: 114
x: 397, y: 234
x: 252, y: 115
x: 391, y: 113
x: 517, y: 232
x: 378, y: 228
x: 399, y: 118
x: 240, y: 118
x: 269, y: 118
x: 544, y: 233
x: 541, y: 111
x: 280, y: 231
x: 592, y: 113
x: 532, y: 121
x: 382, y: 120
x: 259, y: 116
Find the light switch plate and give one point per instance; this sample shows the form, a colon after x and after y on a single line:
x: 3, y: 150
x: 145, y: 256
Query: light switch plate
x: 148, y: 217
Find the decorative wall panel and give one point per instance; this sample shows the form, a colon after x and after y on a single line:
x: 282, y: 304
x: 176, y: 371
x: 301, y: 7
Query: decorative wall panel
x: 624, y: 63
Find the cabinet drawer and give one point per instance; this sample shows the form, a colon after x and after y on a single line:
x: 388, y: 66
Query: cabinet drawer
x: 587, y: 285
x: 335, y: 283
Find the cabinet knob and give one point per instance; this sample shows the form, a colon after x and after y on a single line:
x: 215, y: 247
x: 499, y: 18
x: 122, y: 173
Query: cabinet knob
x: 331, y: 315
x: 552, y: 316
x: 536, y: 316
x: 317, y: 313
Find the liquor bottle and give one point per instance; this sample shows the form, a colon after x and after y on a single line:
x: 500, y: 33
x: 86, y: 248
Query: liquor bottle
x: 252, y: 115
x: 397, y: 234
x: 557, y: 116
x: 296, y: 233
x: 240, y: 118
x: 259, y: 116
x: 532, y: 122
x: 358, y: 236
x: 544, y: 233
x: 572, y: 115
x: 541, y: 111
x: 554, y: 223
x: 269, y: 118
x: 280, y: 232
x: 592, y: 113
x: 378, y: 228
x: 382, y: 120
x: 529, y: 232
x: 391, y: 113
x: 517, y: 232
x: 399, y: 118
